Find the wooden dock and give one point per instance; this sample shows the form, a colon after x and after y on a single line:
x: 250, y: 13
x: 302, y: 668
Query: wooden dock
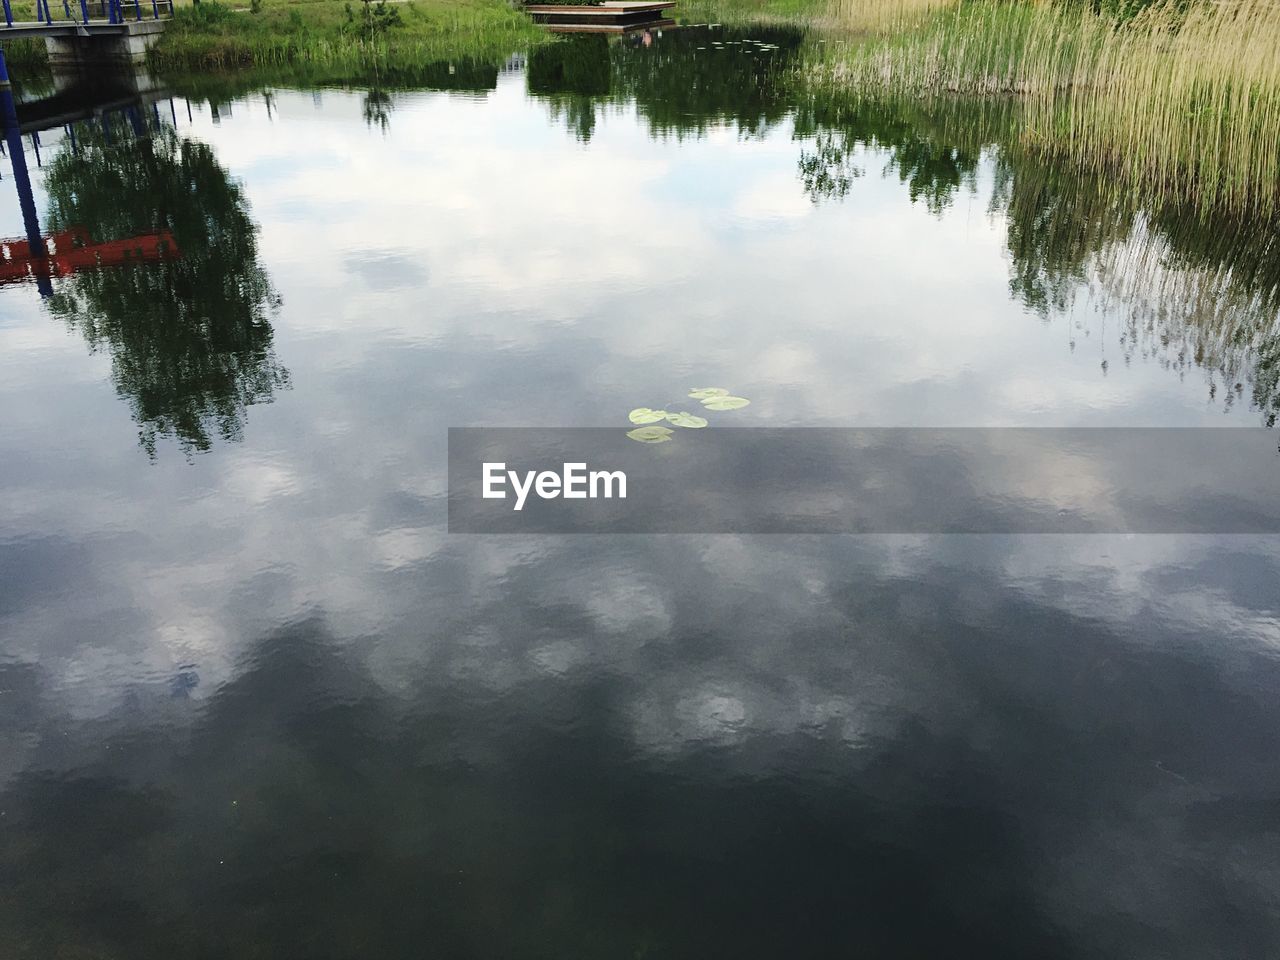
x: 659, y: 24
x: 612, y: 16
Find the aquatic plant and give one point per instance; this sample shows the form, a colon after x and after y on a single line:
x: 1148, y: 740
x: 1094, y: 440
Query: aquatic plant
x: 711, y: 398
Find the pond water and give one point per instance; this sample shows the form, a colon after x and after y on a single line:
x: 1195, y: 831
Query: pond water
x: 255, y: 700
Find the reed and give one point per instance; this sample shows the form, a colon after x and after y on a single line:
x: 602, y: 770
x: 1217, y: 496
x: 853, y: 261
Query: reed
x: 882, y: 16
x: 25, y: 53
x: 1183, y: 97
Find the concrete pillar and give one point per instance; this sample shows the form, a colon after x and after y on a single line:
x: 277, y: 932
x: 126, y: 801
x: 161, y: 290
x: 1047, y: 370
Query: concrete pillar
x: 126, y: 45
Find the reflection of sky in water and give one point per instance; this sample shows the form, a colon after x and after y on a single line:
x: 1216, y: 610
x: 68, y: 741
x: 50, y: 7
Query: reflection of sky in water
x: 1073, y: 737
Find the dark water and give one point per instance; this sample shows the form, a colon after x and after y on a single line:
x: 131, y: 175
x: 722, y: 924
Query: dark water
x: 255, y: 701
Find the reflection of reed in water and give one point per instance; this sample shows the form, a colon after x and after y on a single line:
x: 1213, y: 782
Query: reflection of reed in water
x: 1186, y: 314
x: 189, y: 337
x: 1191, y: 288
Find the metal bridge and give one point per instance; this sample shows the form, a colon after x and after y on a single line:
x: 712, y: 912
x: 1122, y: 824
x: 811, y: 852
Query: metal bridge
x: 82, y: 32
x: 82, y: 18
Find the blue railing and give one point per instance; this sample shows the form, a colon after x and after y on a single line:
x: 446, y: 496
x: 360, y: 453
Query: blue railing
x: 108, y: 11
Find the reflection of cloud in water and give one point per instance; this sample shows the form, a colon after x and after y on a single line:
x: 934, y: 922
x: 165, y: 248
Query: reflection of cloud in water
x: 269, y: 677
x: 939, y: 737
x: 388, y: 270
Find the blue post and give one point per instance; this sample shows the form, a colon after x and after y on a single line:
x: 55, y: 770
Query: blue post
x: 21, y: 178
x: 66, y: 8
x: 84, y: 10
x: 8, y: 14
x: 155, y: 9
x: 137, y: 9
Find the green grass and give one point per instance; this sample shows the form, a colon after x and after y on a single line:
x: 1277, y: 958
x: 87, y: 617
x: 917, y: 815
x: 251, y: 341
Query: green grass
x: 330, y: 32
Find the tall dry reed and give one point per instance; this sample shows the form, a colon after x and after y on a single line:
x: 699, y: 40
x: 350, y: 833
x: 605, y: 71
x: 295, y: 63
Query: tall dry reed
x: 1188, y: 99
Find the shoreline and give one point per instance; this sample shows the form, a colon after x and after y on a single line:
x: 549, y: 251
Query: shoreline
x: 1185, y: 101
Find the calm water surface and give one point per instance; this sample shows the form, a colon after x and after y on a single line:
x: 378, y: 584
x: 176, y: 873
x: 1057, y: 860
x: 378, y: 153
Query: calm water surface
x: 256, y: 702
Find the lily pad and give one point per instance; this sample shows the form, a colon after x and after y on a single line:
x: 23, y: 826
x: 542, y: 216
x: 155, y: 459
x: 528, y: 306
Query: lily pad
x: 651, y: 434
x: 704, y: 393
x: 689, y: 420
x: 645, y: 415
x: 725, y: 403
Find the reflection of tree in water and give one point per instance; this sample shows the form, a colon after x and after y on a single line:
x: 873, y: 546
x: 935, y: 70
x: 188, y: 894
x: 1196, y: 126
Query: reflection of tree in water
x: 189, y: 338
x: 1193, y: 288
x: 676, y: 87
x: 680, y: 89
x: 220, y: 90
x: 460, y: 75
x: 932, y: 170
x: 827, y: 169
x: 571, y: 75
x: 377, y: 106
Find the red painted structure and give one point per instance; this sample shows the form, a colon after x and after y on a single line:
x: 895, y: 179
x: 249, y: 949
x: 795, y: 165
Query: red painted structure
x: 73, y: 250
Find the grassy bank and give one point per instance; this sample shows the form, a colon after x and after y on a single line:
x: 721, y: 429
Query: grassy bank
x: 343, y: 32
x: 1185, y: 98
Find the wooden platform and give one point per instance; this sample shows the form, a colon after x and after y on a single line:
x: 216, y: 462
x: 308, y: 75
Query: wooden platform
x: 658, y: 24
x: 611, y: 8
x: 613, y: 16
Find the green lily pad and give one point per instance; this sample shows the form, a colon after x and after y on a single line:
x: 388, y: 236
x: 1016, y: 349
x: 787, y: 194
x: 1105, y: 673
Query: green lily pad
x: 645, y: 415
x: 683, y: 419
x: 725, y: 403
x: 651, y: 434
x: 704, y: 393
